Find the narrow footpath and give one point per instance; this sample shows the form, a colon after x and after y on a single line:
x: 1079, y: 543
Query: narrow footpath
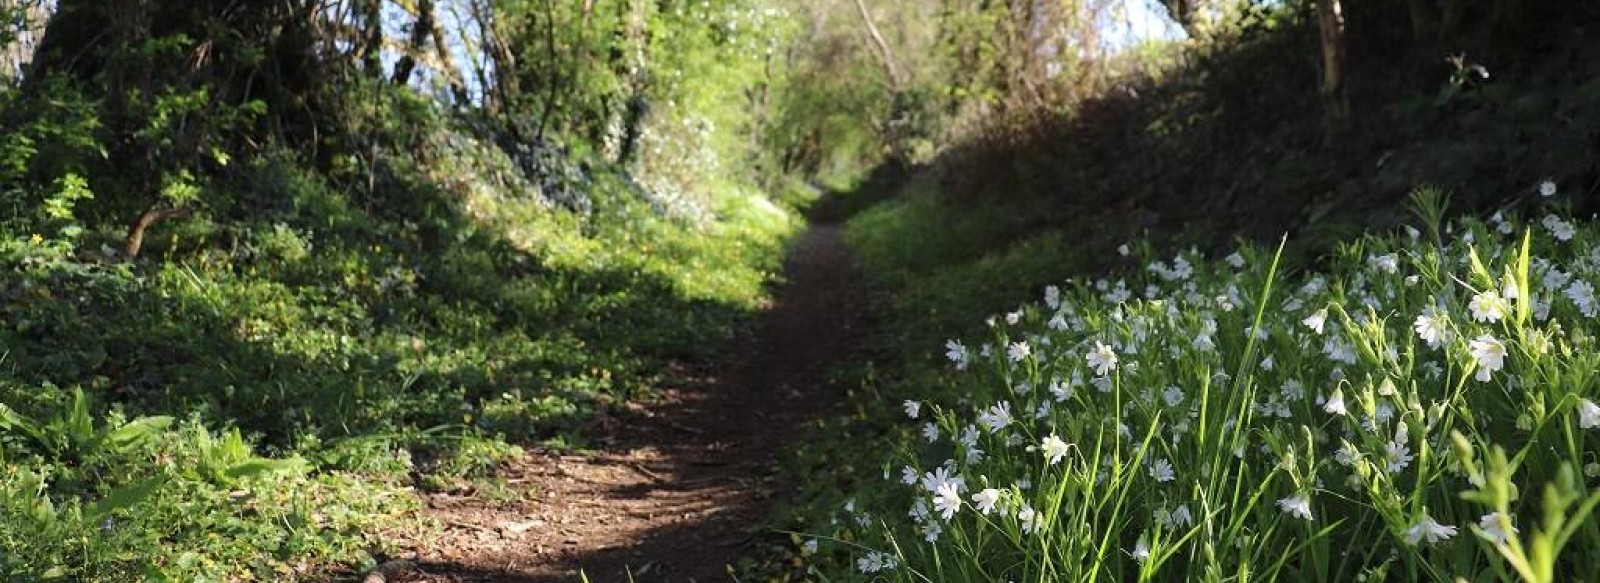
x: 675, y: 489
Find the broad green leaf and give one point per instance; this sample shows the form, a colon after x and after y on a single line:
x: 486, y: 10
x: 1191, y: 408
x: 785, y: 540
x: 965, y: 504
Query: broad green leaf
x: 123, y: 498
x: 262, y: 466
x: 136, y: 432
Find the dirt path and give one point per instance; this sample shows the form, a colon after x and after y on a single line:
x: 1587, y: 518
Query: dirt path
x: 673, y: 493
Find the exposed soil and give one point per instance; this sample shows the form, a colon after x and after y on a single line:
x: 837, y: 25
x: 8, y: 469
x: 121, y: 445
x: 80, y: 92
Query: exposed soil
x: 675, y: 488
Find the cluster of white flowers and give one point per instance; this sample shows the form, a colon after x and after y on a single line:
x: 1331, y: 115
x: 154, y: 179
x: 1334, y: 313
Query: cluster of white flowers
x: 875, y: 561
x: 1561, y: 230
x: 1351, y: 377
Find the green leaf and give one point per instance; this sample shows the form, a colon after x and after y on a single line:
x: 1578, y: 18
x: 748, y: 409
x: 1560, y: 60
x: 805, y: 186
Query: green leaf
x: 123, y: 498
x: 78, y: 423
x: 1520, y: 273
x: 136, y: 432
x: 262, y: 466
x: 10, y: 419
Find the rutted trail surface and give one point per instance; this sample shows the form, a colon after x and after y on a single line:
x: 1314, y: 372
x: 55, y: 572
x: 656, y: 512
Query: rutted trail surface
x: 674, y: 489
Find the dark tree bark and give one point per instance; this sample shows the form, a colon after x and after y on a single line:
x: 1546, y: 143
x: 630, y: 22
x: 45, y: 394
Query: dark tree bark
x: 372, y: 31
x: 423, y: 29
x: 151, y: 216
x: 1335, y: 97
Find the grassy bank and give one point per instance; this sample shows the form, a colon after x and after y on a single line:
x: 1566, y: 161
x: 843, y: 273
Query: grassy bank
x: 257, y: 396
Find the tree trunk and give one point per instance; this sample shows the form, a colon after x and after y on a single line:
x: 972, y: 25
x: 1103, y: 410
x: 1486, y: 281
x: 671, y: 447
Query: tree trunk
x: 885, y: 57
x: 23, y: 35
x: 1187, y: 14
x: 452, y: 73
x: 422, y: 29
x: 1335, y: 97
x: 372, y: 44
x: 151, y: 216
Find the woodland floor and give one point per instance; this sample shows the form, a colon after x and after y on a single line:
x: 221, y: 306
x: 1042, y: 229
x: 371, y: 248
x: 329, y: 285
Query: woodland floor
x: 674, y: 489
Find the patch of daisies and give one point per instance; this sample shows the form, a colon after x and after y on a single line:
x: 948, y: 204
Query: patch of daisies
x: 1421, y: 409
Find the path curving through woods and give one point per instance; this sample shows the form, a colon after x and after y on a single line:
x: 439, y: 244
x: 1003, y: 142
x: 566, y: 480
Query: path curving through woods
x: 674, y: 490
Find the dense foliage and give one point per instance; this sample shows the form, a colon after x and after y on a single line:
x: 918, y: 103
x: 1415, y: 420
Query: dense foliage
x: 268, y: 267
x: 355, y: 267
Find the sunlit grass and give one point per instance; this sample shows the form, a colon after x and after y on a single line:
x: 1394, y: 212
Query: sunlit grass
x: 1418, y: 407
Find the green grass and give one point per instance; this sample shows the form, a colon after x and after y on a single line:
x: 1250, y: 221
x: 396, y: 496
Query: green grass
x: 1203, y: 448
x: 345, y: 344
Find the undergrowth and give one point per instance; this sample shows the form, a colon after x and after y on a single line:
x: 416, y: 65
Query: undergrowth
x: 258, y: 395
x: 1416, y: 407
x: 1194, y: 162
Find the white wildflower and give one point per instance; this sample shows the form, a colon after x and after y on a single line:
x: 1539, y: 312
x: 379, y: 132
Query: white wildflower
x: 1316, y: 321
x: 1588, y: 414
x: 1487, y: 306
x: 1060, y: 390
x: 1335, y: 404
x: 957, y: 353
x: 913, y: 408
x: 996, y: 417
x: 1162, y: 471
x: 1495, y: 527
x: 1432, y: 327
x: 1102, y: 358
x: 1386, y: 263
x: 1017, y: 351
x: 875, y: 561
x: 1054, y: 448
x: 1298, y: 506
x: 1347, y: 454
x: 1430, y: 531
x: 1397, y: 454
x: 1182, y: 517
x: 1561, y: 230
x: 1582, y: 295
x: 1141, y: 550
x: 939, y: 477
x: 985, y: 500
x: 947, y: 500
x: 1172, y: 396
x: 1490, y: 355
x: 1029, y: 519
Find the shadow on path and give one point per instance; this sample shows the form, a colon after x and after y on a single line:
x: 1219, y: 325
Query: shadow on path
x: 678, y: 487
